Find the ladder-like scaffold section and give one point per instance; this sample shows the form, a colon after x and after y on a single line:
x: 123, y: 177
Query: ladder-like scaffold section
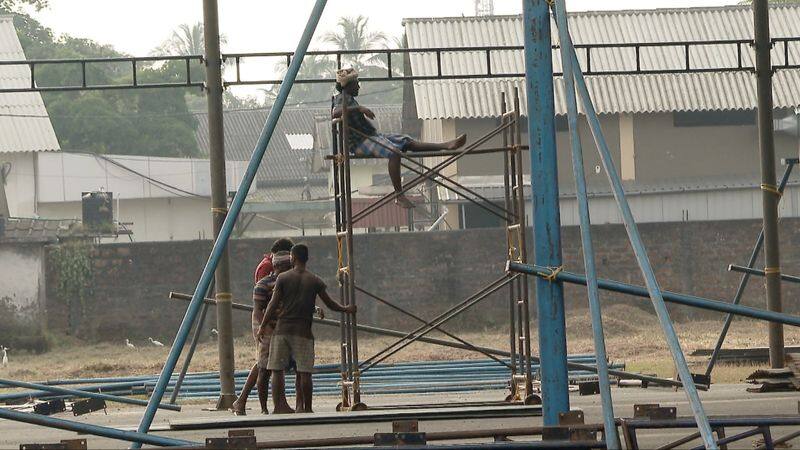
x: 512, y: 213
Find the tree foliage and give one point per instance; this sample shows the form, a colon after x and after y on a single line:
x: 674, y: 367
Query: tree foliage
x: 351, y: 33
x: 139, y: 122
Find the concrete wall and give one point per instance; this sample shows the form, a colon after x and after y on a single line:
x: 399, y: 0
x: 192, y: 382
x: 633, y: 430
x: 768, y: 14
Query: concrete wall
x: 22, y: 278
x: 426, y: 272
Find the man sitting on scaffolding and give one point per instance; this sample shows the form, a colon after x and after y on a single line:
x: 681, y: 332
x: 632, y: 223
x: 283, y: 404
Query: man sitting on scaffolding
x: 364, y: 139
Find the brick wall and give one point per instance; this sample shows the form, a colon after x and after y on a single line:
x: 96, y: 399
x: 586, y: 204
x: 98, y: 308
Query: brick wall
x: 426, y: 272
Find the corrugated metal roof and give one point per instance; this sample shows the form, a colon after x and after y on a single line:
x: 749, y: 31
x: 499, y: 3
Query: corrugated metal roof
x: 282, y: 162
x: 611, y: 93
x: 24, y: 123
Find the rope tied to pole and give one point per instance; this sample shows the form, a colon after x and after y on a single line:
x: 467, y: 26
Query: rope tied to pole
x: 772, y: 188
x: 342, y: 269
x: 224, y: 296
x: 772, y: 270
x: 219, y: 210
x: 554, y: 271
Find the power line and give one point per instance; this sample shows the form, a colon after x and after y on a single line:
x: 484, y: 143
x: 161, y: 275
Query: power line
x: 162, y: 185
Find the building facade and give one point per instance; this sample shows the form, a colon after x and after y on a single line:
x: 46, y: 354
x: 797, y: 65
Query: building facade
x: 685, y: 144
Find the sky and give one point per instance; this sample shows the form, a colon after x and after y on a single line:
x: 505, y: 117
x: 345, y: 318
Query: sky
x: 137, y: 27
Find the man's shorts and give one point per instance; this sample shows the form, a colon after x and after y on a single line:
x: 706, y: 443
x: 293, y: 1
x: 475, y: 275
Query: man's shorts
x: 376, y: 145
x: 262, y: 347
x: 285, y: 347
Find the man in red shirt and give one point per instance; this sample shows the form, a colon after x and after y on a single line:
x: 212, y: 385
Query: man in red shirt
x: 265, y: 266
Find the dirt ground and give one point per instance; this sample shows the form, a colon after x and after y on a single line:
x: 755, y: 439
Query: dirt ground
x: 633, y: 336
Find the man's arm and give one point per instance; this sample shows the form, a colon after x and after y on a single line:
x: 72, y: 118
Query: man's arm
x: 334, y: 305
x: 270, y: 312
x: 337, y: 111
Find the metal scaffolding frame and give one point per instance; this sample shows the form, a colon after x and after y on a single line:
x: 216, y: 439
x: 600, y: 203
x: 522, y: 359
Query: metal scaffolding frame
x: 547, y: 267
x: 191, y: 64
x: 512, y: 213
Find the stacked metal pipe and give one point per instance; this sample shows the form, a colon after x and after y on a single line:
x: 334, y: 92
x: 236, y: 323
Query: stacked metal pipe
x: 401, y: 378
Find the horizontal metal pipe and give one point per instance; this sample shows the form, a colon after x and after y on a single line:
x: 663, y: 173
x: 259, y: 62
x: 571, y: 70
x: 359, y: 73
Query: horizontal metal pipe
x: 105, y: 387
x: 395, y: 333
x: 365, y: 328
x: 77, y: 393
x: 672, y: 297
x: 760, y: 273
x: 477, y: 151
x: 113, y: 433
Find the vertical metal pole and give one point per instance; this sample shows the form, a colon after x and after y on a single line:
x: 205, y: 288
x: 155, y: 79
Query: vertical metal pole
x: 512, y: 326
x: 219, y: 201
x: 639, y: 250
x: 192, y: 346
x: 609, y: 423
x: 524, y: 299
x: 744, y: 280
x: 351, y: 278
x: 769, y: 194
x: 230, y: 220
x: 338, y: 195
x: 546, y: 216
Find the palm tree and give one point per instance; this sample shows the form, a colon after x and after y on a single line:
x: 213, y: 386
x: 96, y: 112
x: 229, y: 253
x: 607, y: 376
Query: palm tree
x: 313, y: 67
x: 186, y: 40
x: 354, y: 34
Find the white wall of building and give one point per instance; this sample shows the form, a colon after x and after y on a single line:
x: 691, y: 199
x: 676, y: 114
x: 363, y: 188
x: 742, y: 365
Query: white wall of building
x: 22, y: 277
x: 164, y: 198
x: 701, y: 205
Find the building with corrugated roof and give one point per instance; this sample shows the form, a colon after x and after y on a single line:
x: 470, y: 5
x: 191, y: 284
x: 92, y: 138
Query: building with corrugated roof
x: 25, y: 130
x: 685, y: 144
x: 293, y: 186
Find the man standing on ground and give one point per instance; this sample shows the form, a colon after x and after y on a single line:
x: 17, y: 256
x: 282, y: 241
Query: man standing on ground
x: 295, y: 294
x: 259, y: 375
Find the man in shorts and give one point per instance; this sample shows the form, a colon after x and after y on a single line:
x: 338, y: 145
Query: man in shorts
x: 259, y: 375
x: 293, y: 302
x: 363, y: 138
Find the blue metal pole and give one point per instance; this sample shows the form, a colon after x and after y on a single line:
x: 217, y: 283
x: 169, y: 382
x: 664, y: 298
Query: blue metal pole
x: 610, y: 426
x: 641, y: 256
x: 546, y: 216
x: 84, y: 394
x: 227, y: 227
x: 96, y: 430
x: 672, y: 297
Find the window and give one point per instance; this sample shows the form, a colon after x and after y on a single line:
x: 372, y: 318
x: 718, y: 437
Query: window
x: 300, y: 141
x: 713, y: 118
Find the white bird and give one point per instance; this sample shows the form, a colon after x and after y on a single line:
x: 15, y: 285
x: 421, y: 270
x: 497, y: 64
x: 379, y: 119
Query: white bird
x: 5, y: 356
x: 156, y: 343
x: 129, y: 345
x: 214, y: 332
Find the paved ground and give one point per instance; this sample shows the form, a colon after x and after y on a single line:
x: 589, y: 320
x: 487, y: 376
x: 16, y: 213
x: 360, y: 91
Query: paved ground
x: 721, y: 400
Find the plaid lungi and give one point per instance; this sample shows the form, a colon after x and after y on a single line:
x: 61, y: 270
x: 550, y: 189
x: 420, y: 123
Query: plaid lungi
x: 376, y: 144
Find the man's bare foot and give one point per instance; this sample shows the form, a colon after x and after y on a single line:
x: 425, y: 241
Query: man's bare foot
x: 283, y: 410
x: 403, y: 202
x: 457, y: 142
x: 237, y: 409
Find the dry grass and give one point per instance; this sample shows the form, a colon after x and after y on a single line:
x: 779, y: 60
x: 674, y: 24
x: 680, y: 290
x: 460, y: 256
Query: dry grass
x: 633, y: 336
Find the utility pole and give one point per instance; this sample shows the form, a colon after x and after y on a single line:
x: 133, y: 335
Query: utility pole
x: 769, y: 191
x: 219, y: 201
